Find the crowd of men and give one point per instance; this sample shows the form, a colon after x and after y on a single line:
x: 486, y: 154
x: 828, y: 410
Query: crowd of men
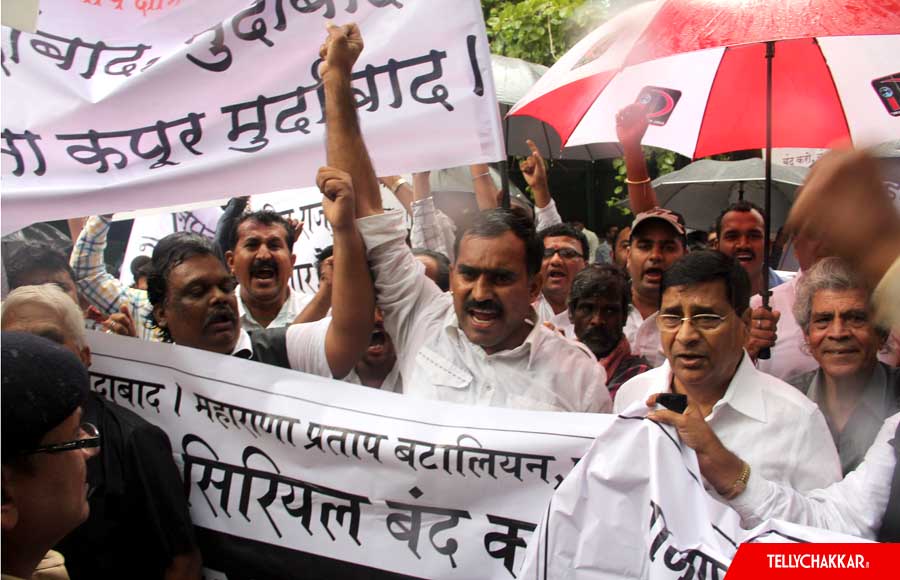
x: 512, y: 310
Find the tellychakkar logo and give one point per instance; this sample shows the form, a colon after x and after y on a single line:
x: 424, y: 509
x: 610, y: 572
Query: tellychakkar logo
x: 819, y: 561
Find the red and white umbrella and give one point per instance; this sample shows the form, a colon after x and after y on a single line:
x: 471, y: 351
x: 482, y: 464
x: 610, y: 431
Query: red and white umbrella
x: 700, y: 66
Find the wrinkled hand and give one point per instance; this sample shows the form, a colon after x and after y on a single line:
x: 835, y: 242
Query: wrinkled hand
x: 842, y: 184
x: 339, y: 201
x: 342, y: 47
x: 631, y: 124
x: 763, y: 325
x: 718, y: 465
x: 533, y: 168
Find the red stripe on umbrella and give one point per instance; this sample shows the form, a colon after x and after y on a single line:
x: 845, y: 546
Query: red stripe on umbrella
x: 806, y: 108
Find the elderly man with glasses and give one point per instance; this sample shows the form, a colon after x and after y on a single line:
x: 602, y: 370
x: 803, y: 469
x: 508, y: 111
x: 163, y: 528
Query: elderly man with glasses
x: 703, y: 317
x: 139, y: 526
x: 45, y: 451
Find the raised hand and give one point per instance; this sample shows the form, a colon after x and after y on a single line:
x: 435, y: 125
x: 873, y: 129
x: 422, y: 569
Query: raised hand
x: 341, y: 49
x: 631, y: 124
x: 339, y: 202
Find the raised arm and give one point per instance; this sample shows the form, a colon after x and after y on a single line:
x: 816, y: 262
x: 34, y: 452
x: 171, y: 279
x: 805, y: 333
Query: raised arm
x: 631, y: 124
x: 224, y: 238
x: 352, y: 296
x: 486, y: 192
x: 535, y: 172
x: 346, y: 148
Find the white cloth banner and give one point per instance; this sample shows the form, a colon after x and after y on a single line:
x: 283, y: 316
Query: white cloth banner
x: 109, y: 107
x: 616, y: 517
x: 288, y: 472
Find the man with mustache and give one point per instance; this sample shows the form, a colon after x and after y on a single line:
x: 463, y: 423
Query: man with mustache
x: 480, y: 344
x: 703, y: 320
x: 262, y: 260
x: 194, y: 302
x: 598, y: 304
x: 565, y: 254
x: 657, y: 240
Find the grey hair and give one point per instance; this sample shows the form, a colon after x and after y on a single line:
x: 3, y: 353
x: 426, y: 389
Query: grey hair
x: 829, y: 274
x: 51, y: 297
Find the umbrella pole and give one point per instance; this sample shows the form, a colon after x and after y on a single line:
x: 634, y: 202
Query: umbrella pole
x: 765, y: 353
x: 504, y: 184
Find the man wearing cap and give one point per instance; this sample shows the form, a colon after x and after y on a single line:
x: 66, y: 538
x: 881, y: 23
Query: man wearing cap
x: 139, y: 515
x: 45, y: 451
x: 657, y: 240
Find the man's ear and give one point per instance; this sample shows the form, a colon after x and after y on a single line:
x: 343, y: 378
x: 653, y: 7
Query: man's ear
x: 229, y: 259
x: 9, y: 513
x: 534, y: 287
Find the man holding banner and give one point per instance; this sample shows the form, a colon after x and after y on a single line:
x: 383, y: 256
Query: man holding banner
x: 480, y: 344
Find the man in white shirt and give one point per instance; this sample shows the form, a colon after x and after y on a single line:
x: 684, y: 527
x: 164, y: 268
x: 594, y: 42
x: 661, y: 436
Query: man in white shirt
x: 657, y: 240
x: 565, y: 254
x: 481, y: 343
x: 703, y: 327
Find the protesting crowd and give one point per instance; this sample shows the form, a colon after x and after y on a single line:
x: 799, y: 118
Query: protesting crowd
x: 792, y: 406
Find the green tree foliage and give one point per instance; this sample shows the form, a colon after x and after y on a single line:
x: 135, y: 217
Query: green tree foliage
x: 540, y: 31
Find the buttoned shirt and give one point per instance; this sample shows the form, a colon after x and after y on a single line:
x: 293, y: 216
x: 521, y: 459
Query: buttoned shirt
x: 294, y: 305
x: 561, y: 321
x: 101, y: 288
x: 392, y: 382
x: 437, y: 360
x: 855, y: 505
x: 878, y: 401
x: 643, y: 336
x: 765, y: 421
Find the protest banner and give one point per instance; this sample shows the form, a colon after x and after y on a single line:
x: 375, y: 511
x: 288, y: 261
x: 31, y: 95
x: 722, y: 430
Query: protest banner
x: 290, y: 474
x: 112, y: 106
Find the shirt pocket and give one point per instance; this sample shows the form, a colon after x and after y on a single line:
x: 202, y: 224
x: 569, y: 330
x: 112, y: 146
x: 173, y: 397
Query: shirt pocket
x: 441, y: 372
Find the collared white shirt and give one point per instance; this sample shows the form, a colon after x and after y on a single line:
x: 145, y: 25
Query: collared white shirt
x: 855, y: 505
x: 294, y: 305
x: 790, y: 356
x: 546, y: 372
x: 546, y: 216
x: 766, y: 422
x: 561, y: 321
x: 643, y: 336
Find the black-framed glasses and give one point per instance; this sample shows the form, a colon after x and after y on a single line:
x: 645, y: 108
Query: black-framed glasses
x: 699, y: 321
x: 564, y: 253
x: 90, y: 440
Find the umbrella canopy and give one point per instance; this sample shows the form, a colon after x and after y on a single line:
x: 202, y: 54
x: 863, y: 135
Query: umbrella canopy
x: 513, y: 78
x: 700, y: 67
x: 704, y: 188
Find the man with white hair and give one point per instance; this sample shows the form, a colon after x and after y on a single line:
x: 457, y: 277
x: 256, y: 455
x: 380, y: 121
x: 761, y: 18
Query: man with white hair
x: 139, y: 518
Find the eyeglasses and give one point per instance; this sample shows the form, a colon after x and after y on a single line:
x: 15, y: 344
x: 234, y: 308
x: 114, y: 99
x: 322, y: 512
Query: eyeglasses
x: 699, y: 321
x: 564, y: 253
x: 90, y: 440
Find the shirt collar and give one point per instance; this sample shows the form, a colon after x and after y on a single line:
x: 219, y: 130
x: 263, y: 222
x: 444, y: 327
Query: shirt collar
x: 244, y: 347
x: 744, y: 394
x: 245, y: 314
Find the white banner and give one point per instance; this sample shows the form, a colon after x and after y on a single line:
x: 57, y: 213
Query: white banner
x: 115, y: 106
x: 289, y: 472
